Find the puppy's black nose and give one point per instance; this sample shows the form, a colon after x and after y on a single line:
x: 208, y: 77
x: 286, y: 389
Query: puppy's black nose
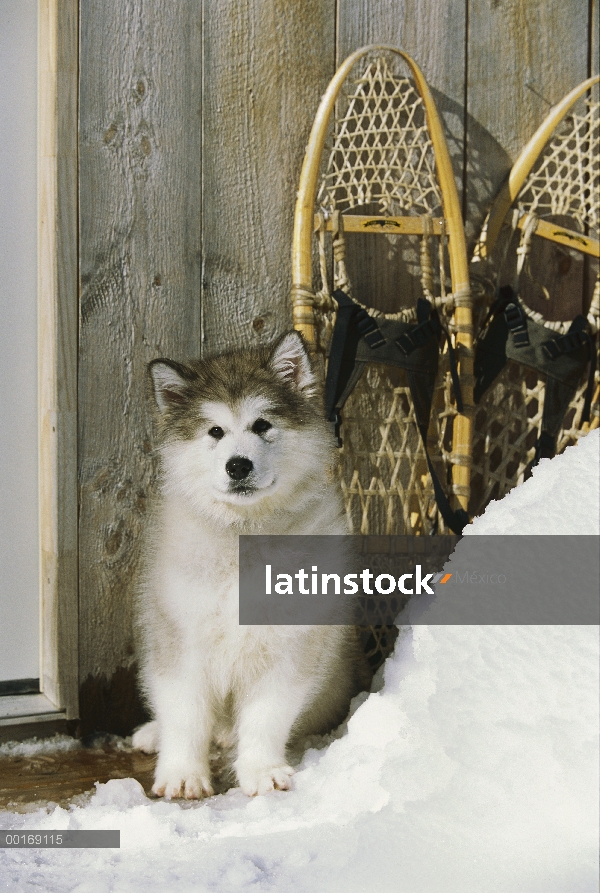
x: 239, y: 468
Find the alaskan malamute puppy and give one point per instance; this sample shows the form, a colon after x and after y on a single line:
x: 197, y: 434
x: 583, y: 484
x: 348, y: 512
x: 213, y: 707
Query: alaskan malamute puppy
x: 245, y: 449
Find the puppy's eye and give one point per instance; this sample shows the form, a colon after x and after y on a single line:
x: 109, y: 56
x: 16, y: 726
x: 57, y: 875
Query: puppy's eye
x: 260, y: 426
x: 216, y: 432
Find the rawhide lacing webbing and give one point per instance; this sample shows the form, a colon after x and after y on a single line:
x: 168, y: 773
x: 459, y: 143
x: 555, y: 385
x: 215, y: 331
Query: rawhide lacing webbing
x: 566, y: 180
x: 381, y: 152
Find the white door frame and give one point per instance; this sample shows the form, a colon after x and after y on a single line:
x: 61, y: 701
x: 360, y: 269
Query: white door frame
x: 57, y: 186
x: 58, y: 37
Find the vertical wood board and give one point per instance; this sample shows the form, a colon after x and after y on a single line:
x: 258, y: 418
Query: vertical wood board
x: 432, y: 32
x: 140, y: 230
x: 266, y: 64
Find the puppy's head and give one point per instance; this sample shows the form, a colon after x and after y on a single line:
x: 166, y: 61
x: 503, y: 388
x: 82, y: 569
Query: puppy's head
x: 242, y: 432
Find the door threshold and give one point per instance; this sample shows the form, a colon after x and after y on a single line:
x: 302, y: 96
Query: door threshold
x: 29, y: 716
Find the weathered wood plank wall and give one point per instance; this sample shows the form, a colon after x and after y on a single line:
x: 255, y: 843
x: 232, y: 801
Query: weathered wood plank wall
x: 193, y: 121
x: 266, y: 63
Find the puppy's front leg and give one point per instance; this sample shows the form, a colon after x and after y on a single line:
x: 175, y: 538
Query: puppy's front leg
x: 185, y: 719
x: 265, y: 719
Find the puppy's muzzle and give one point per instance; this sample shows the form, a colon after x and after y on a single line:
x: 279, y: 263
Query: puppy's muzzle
x: 238, y: 468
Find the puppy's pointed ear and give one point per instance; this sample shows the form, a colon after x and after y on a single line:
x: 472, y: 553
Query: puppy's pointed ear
x: 168, y: 383
x: 290, y: 362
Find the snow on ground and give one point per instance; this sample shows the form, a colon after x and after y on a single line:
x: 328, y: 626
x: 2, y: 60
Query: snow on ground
x: 562, y: 497
x: 35, y: 746
x: 473, y: 770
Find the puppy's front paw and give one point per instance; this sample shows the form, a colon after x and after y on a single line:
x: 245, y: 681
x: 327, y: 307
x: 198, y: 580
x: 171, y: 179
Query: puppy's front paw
x: 146, y: 737
x: 191, y: 785
x: 255, y: 779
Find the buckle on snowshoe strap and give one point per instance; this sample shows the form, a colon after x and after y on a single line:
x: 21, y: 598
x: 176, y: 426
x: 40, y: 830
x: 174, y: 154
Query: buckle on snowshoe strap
x: 564, y: 344
x: 419, y: 336
x: 368, y: 329
x: 517, y: 324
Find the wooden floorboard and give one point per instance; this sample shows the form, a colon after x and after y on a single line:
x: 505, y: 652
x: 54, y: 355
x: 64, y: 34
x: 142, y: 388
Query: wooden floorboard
x: 59, y: 777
